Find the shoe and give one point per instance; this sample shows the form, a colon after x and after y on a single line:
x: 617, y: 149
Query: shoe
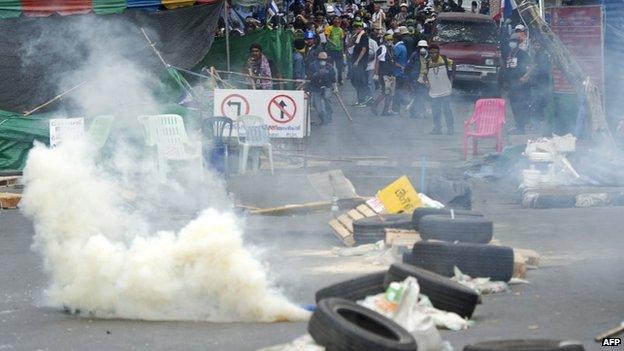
x: 368, y: 100
x: 392, y: 113
x: 361, y: 104
x: 436, y: 131
x: 355, y: 103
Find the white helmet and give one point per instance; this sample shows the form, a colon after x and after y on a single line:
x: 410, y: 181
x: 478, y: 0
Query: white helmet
x: 422, y: 44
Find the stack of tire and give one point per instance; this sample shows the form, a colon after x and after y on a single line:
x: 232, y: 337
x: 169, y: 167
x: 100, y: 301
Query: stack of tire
x: 339, y: 323
x: 372, y: 229
x: 458, y: 239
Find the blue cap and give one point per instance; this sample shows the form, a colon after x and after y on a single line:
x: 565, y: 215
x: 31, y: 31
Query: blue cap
x: 309, y: 35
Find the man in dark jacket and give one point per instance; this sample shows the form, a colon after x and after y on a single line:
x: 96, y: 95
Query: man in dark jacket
x: 516, y: 78
x: 322, y: 80
x: 414, y: 68
x: 540, y: 80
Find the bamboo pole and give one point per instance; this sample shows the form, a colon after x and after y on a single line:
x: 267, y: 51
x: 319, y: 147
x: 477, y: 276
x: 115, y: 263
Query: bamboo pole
x: 264, y: 78
x: 54, y: 99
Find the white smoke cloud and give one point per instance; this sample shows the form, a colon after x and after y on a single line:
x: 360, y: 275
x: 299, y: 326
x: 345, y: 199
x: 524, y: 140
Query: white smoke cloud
x: 101, y: 251
x: 102, y: 261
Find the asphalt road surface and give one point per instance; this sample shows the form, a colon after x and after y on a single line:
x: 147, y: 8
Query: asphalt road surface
x: 576, y: 293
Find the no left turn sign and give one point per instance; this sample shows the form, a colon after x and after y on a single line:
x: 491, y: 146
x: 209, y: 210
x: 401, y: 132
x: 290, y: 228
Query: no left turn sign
x: 282, y: 108
x: 234, y: 105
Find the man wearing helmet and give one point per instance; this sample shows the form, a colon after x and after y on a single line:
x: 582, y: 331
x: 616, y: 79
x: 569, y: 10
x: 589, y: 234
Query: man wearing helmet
x: 322, y: 79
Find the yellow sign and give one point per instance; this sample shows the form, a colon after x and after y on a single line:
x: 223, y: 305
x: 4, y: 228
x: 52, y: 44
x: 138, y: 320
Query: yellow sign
x: 400, y: 196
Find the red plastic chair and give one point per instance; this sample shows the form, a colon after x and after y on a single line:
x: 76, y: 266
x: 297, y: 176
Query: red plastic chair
x: 488, y: 119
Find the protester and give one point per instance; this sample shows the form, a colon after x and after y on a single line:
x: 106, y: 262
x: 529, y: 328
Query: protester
x: 416, y: 64
x: 298, y: 59
x: 373, y: 46
x: 541, y: 85
x: 322, y: 79
x: 360, y: 61
x: 400, y: 59
x: 312, y: 52
x: 258, y: 66
x: 437, y: 76
x: 335, y: 46
x: 516, y: 77
x: 385, y: 73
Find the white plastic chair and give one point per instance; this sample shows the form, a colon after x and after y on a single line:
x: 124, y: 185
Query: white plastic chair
x: 172, y: 143
x: 256, y: 136
x: 145, y: 130
x: 100, y: 130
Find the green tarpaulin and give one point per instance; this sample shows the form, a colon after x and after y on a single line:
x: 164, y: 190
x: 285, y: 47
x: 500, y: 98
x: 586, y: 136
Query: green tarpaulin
x: 276, y: 45
x: 17, y: 135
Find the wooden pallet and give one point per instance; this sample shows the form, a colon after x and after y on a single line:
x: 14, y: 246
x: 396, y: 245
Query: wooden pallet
x: 9, y: 200
x: 9, y: 181
x: 343, y: 224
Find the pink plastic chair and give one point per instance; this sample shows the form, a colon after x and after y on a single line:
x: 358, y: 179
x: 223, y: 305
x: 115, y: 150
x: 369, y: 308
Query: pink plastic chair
x: 488, y: 118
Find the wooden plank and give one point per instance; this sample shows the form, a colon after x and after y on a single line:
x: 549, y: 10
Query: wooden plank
x: 294, y: 209
x: 9, y: 200
x: 342, y: 233
x: 402, y: 237
x: 9, y: 181
x: 355, y: 214
x: 346, y: 221
x: 366, y: 210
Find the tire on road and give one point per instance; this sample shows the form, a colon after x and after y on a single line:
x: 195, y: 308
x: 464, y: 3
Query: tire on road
x: 354, y: 289
x: 425, y: 211
x: 476, y: 260
x: 444, y: 293
x: 467, y: 229
x: 525, y: 345
x: 372, y: 229
x: 342, y: 325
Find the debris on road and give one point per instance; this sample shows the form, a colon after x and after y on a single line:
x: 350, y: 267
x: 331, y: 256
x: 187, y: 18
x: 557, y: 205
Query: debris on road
x: 480, y: 285
x: 9, y: 200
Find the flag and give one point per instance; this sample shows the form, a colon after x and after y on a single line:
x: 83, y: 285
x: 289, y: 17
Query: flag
x: 507, y: 7
x: 273, y: 9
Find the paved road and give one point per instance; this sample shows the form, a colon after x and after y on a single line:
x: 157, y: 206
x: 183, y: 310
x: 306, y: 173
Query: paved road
x: 576, y: 294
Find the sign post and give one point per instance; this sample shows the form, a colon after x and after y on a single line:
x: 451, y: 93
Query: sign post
x: 65, y: 129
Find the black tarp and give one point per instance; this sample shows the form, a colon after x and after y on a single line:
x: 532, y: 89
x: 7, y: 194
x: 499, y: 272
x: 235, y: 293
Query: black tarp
x: 37, y: 54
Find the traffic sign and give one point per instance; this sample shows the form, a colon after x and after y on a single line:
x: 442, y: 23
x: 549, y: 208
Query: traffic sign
x: 234, y: 105
x: 282, y: 108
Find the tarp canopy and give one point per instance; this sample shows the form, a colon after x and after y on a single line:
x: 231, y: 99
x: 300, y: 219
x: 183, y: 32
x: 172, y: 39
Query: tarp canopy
x: 277, y: 44
x: 16, y: 8
x: 37, y: 54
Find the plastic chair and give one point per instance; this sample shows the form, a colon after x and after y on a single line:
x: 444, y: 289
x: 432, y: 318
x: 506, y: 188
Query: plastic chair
x: 100, y: 130
x: 216, y: 139
x: 489, y: 119
x: 145, y: 129
x: 256, y: 136
x: 172, y: 143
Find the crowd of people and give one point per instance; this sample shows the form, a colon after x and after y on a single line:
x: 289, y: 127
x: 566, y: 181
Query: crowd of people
x: 385, y: 54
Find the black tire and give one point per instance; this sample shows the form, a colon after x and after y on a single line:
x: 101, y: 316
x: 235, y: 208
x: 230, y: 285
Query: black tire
x: 373, y: 229
x: 407, y: 257
x: 341, y: 325
x: 354, y: 289
x: 476, y: 260
x: 445, y: 294
x: 468, y: 229
x: 525, y: 345
x: 425, y: 211
x: 555, y: 201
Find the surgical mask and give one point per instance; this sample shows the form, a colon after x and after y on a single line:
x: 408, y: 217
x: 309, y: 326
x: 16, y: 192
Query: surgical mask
x: 513, y: 44
x: 423, y: 52
x: 323, y: 62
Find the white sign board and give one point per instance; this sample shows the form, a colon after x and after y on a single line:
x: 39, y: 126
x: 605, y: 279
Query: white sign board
x: 283, y: 111
x: 65, y: 129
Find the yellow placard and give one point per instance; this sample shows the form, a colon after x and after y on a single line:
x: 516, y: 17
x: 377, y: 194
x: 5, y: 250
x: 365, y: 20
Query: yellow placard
x: 400, y: 196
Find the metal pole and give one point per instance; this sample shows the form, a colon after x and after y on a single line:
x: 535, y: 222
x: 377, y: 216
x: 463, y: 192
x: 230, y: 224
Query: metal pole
x: 226, y: 18
x: 542, y: 9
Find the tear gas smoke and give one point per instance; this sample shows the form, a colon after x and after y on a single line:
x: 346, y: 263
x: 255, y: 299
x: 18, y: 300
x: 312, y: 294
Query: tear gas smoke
x: 102, y: 253
x: 101, y: 259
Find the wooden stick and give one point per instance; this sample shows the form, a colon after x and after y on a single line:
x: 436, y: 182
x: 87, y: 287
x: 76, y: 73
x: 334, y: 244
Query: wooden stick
x: 611, y: 333
x: 54, y: 99
x: 153, y: 45
x: 343, y: 106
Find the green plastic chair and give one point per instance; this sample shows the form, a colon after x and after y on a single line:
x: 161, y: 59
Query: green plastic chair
x: 100, y: 130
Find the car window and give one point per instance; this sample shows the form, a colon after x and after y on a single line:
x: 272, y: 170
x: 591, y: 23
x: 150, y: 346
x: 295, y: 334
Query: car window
x: 468, y: 32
